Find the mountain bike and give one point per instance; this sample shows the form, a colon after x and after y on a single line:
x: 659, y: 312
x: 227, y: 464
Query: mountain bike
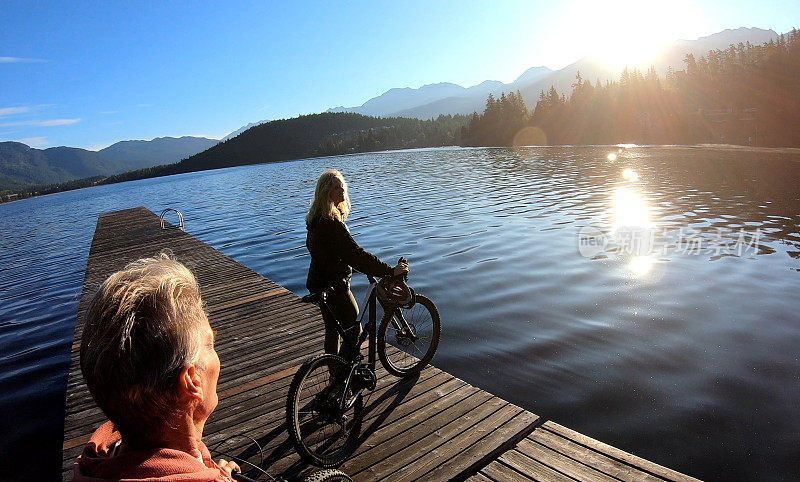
x: 325, y: 402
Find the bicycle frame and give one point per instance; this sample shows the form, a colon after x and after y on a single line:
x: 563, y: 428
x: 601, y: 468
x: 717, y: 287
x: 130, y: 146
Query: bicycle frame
x: 370, y: 331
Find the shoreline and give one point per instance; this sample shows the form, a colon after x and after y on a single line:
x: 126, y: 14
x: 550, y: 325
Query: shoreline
x: 717, y: 147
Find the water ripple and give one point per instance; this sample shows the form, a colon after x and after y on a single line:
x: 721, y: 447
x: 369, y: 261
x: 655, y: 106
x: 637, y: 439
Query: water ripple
x: 672, y: 355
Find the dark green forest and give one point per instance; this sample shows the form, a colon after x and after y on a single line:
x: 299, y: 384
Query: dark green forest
x: 746, y: 95
x: 297, y: 138
x: 322, y: 135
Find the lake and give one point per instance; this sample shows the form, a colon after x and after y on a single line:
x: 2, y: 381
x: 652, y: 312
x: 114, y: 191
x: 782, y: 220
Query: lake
x: 645, y: 296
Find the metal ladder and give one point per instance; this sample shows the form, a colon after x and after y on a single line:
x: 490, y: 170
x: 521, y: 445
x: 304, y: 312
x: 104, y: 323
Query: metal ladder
x: 180, y: 219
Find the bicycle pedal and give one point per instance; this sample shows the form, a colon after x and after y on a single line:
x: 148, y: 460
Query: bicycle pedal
x: 365, y: 378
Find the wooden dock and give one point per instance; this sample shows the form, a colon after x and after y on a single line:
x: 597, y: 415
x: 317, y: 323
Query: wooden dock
x: 432, y: 427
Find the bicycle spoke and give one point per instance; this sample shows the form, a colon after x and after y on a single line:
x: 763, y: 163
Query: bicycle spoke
x: 414, y: 332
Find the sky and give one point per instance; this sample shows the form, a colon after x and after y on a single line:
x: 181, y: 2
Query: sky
x: 88, y: 74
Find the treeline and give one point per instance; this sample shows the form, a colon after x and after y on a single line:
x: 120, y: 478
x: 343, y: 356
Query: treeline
x: 499, y: 124
x: 31, y: 191
x: 402, y: 133
x: 297, y: 138
x: 324, y: 134
x: 746, y: 94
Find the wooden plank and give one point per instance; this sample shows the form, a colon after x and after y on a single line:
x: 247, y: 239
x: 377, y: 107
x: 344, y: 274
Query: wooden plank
x: 616, y: 453
x: 423, y: 452
x: 479, y: 477
x: 500, y: 472
x: 562, y: 463
x: 587, y: 456
x: 249, y: 299
x: 479, y: 447
x: 532, y: 468
x: 418, y: 423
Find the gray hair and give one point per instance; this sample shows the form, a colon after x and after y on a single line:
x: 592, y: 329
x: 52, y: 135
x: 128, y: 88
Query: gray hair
x: 142, y: 328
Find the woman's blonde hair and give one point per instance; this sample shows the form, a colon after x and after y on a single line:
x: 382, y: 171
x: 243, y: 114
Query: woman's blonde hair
x: 142, y: 328
x: 322, y: 206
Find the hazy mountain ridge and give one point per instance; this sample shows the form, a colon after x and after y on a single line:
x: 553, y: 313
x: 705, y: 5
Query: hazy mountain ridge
x: 21, y: 164
x: 395, y: 102
x: 537, y: 79
x: 673, y: 54
x: 161, y: 150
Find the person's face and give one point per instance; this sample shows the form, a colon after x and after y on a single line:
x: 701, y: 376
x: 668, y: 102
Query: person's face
x: 337, y: 193
x: 210, y: 374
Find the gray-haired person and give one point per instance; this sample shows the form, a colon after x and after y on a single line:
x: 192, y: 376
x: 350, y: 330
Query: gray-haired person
x: 147, y: 355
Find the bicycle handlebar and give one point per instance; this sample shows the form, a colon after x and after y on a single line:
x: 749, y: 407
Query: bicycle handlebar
x: 241, y: 477
x: 323, y: 294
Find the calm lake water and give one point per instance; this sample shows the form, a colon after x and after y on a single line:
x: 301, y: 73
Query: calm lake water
x: 649, y: 301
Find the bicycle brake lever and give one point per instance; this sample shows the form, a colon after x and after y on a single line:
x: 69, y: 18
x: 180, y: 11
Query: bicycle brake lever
x: 403, y: 260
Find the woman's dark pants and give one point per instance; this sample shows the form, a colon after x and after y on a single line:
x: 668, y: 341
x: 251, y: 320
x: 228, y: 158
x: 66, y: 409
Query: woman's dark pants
x: 344, y: 306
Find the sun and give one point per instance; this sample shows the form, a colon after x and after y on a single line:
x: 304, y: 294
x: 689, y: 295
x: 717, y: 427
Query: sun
x: 625, y: 32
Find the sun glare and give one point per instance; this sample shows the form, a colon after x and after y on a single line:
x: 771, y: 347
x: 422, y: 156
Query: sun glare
x: 627, y: 32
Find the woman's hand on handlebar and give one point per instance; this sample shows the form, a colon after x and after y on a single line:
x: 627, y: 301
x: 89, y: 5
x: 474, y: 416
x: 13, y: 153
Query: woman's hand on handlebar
x: 401, y: 269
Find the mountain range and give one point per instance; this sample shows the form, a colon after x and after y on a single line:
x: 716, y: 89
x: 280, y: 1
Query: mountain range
x: 431, y: 100
x: 22, y: 165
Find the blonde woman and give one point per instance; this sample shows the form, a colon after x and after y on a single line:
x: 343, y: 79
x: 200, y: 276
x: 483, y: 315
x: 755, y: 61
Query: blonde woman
x: 334, y: 255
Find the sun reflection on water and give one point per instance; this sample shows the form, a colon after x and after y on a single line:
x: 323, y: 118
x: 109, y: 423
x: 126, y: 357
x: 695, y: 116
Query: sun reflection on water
x: 629, y: 210
x: 632, y: 227
x: 640, y: 265
x: 630, y: 175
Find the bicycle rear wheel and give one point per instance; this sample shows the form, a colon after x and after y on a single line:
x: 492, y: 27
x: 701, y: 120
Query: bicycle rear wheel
x: 414, y: 332
x: 323, y: 434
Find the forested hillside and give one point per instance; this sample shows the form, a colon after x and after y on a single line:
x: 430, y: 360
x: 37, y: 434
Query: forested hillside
x: 300, y: 137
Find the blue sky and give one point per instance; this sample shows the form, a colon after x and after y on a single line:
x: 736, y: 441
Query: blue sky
x: 88, y: 74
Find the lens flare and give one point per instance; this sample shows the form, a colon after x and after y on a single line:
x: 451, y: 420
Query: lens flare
x: 530, y: 136
x: 612, y: 156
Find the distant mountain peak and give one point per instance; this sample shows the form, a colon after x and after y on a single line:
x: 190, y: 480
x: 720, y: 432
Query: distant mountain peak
x: 258, y: 123
x: 533, y: 73
x: 739, y: 32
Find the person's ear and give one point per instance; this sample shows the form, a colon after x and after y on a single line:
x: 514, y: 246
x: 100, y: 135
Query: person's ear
x: 189, y: 383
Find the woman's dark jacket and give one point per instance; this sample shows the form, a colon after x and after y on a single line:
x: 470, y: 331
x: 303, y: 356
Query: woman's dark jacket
x: 334, y: 255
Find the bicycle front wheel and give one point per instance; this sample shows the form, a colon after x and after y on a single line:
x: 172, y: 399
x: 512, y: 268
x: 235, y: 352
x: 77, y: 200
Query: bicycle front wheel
x: 414, y: 332
x: 323, y: 433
